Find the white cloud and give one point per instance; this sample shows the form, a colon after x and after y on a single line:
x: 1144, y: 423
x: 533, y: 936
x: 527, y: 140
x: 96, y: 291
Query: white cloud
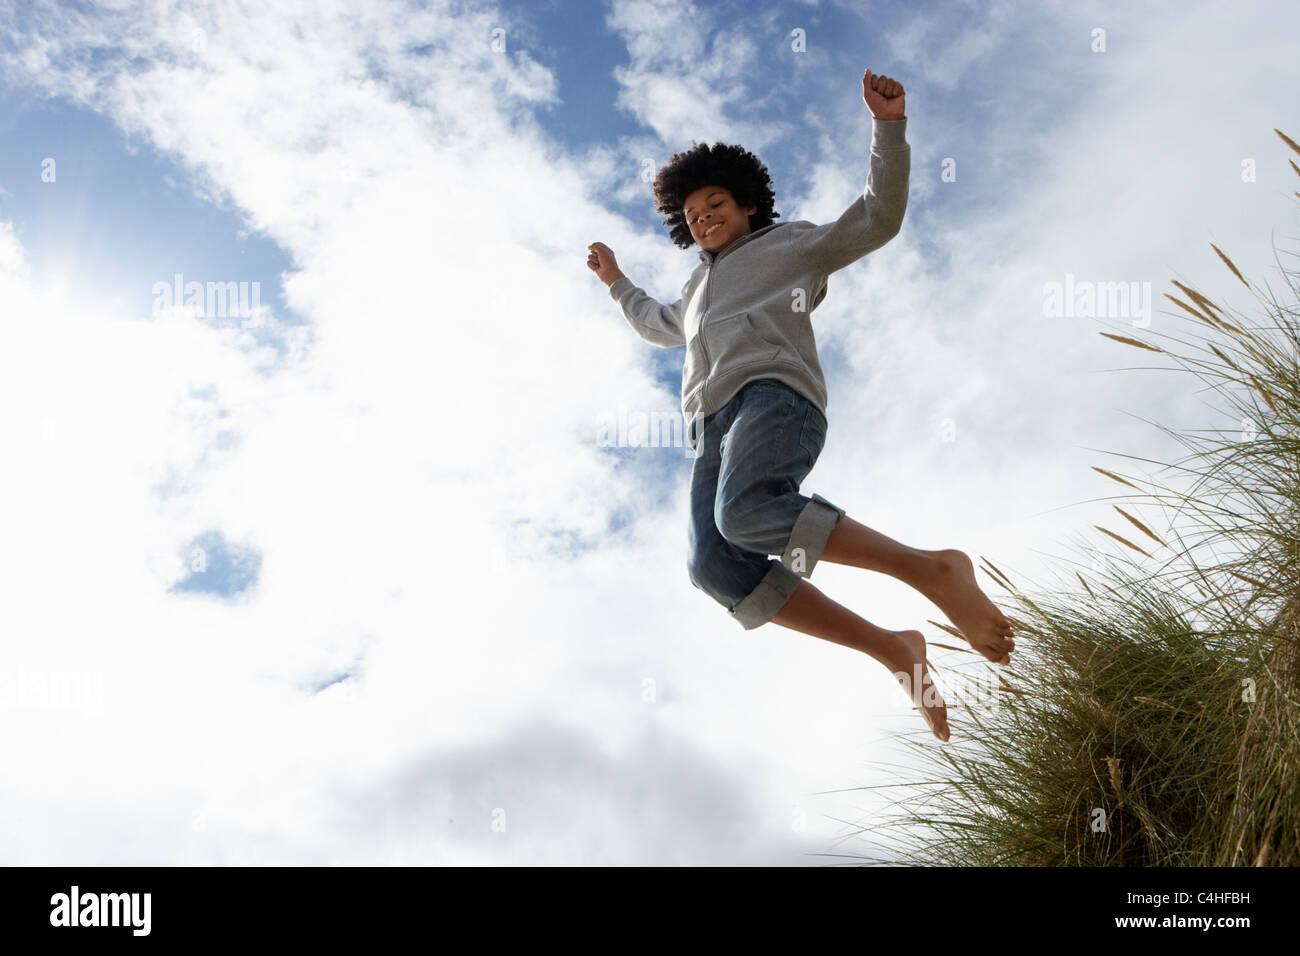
x: 692, y: 75
x: 419, y: 480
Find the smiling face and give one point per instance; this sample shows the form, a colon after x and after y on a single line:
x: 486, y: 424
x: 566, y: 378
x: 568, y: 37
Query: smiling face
x: 714, y: 218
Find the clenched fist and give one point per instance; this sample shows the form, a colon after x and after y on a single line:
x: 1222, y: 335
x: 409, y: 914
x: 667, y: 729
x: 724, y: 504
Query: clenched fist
x: 601, y: 261
x: 883, y: 96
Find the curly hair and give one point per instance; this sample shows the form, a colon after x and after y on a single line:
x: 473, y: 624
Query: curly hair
x: 731, y: 167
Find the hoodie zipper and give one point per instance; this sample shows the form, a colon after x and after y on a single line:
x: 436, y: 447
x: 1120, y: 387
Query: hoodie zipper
x: 704, y: 313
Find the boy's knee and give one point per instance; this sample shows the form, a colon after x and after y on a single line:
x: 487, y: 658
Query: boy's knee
x: 733, y: 527
x: 697, y: 569
x: 704, y: 568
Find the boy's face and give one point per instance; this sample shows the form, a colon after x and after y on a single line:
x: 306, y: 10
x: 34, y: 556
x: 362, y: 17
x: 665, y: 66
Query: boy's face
x: 714, y: 217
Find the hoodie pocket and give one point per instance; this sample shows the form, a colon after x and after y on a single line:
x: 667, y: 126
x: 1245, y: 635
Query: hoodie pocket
x: 738, y: 339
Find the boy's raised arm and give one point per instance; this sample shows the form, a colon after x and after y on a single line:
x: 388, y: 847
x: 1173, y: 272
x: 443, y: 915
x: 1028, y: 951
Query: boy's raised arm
x: 658, y: 324
x: 876, y: 216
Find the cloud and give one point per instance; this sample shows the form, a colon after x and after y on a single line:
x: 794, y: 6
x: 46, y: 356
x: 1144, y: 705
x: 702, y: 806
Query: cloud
x: 690, y: 73
x: 406, y: 508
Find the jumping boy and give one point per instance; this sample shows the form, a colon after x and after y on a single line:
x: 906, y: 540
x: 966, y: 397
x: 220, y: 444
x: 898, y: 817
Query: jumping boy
x: 755, y: 400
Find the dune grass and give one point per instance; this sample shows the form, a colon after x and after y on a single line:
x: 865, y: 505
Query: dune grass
x: 1150, y: 715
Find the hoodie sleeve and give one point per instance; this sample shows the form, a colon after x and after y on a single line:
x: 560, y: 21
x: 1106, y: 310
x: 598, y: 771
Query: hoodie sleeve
x: 875, y: 217
x: 659, y: 325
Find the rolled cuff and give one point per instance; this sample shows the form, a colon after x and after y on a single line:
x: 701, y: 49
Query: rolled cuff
x: 761, y: 605
x: 889, y: 134
x: 808, y: 537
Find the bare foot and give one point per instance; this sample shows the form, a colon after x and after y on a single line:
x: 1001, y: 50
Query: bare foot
x: 948, y: 579
x: 909, y: 667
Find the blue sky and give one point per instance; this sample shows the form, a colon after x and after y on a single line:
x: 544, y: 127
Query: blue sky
x: 354, y: 574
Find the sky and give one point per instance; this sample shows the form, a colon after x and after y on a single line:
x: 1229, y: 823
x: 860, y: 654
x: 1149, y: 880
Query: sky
x: 327, y: 564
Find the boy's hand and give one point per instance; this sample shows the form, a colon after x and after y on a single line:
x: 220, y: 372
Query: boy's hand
x: 601, y: 261
x: 883, y: 96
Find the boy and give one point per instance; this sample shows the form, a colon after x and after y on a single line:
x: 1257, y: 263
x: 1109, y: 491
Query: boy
x: 755, y: 399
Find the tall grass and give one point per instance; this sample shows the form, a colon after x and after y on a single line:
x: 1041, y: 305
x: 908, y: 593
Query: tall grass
x: 1149, y: 717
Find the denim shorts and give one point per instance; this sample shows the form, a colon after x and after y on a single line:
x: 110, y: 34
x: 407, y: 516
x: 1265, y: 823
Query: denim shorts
x: 745, y: 501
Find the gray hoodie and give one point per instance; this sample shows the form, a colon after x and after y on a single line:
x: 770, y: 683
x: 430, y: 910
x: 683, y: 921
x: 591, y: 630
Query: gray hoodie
x: 746, y: 309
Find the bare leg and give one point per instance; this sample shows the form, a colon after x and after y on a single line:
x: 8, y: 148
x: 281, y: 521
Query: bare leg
x: 946, y: 577
x: 903, y: 652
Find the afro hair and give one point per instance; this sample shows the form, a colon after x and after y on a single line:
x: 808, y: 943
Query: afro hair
x: 731, y: 167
